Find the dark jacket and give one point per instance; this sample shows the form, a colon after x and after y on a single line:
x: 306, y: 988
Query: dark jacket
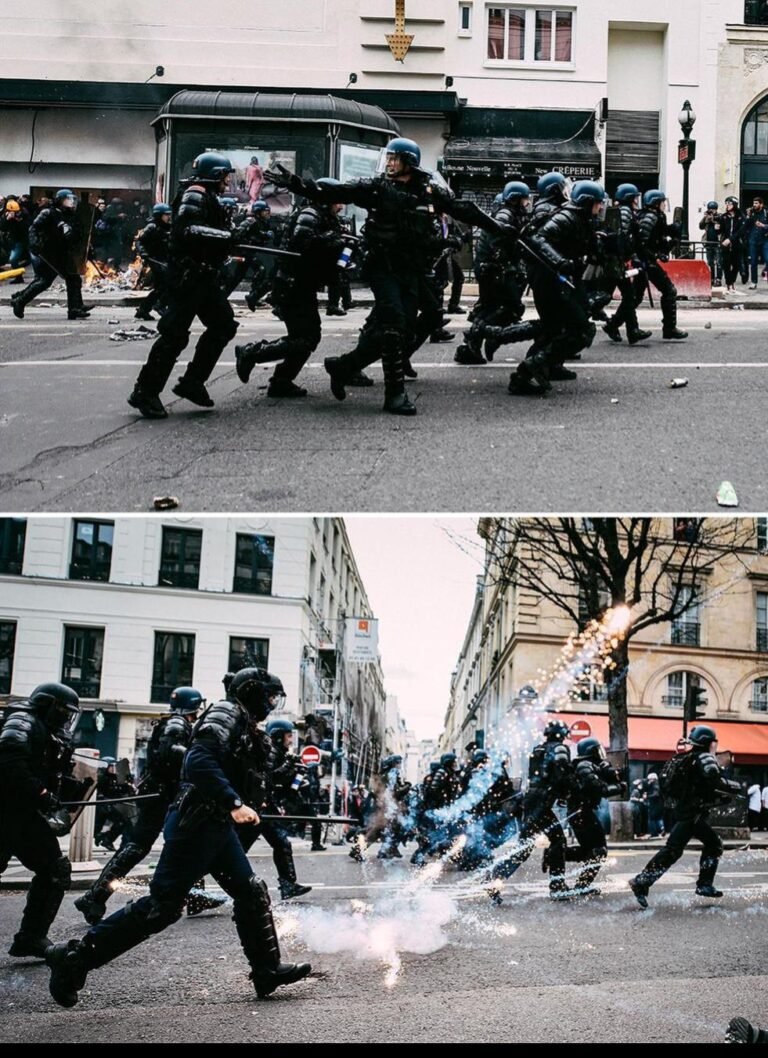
x: 31, y: 759
x: 168, y: 743
x: 654, y: 236
x: 200, y: 234
x: 564, y: 239
x: 500, y: 247
x: 52, y: 236
x: 153, y: 243
x: 316, y: 234
x: 730, y: 227
x: 591, y: 783
x: 750, y: 231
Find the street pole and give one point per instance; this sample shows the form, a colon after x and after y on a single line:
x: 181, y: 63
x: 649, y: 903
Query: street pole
x: 686, y: 153
x: 337, y: 685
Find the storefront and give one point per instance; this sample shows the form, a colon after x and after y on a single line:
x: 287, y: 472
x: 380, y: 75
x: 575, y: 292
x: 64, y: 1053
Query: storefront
x: 313, y: 135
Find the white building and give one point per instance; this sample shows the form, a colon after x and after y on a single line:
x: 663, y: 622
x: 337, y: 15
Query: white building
x: 494, y: 89
x: 125, y: 609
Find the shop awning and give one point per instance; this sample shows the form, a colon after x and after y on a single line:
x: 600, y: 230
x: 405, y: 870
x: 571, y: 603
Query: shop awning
x: 655, y: 738
x: 504, y: 158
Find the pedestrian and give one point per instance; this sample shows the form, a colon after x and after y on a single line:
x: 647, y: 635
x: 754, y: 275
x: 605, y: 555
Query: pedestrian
x: 200, y: 243
x: 709, y: 224
x: 755, y: 233
x: 14, y: 235
x: 402, y: 243
x: 754, y: 808
x: 694, y: 782
x: 729, y: 232
x: 318, y: 239
x: 655, y: 238
x: 199, y: 838
x: 168, y: 743
x: 35, y: 765
x: 638, y: 805
x: 52, y: 242
x: 655, y: 804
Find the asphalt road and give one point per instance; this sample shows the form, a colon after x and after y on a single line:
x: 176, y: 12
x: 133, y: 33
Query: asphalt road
x: 398, y: 957
x: 616, y: 439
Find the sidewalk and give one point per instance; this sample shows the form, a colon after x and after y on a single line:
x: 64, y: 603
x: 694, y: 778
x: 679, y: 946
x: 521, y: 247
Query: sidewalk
x: 17, y: 877
x: 745, y: 299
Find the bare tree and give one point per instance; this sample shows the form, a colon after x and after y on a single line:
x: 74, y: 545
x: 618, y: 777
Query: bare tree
x: 584, y: 565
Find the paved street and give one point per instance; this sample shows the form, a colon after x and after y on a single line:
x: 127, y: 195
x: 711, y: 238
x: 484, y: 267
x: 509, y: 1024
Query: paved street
x: 616, y: 439
x: 528, y: 971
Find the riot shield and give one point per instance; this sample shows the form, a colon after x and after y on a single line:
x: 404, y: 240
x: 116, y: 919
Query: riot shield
x: 79, y: 786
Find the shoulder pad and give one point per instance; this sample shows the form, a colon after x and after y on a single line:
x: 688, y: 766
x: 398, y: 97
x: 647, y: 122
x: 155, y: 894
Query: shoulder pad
x: 224, y: 721
x: 18, y: 728
x: 197, y: 187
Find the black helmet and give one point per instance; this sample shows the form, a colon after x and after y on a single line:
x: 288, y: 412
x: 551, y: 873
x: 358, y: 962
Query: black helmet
x: 406, y: 149
x: 556, y: 731
x: 186, y: 700
x: 63, y: 196
x: 479, y: 756
x: 57, y: 705
x: 626, y: 192
x: 393, y: 761
x: 280, y: 726
x: 161, y: 209
x: 447, y: 760
x: 552, y: 186
x: 226, y: 679
x: 433, y: 766
x: 712, y: 205
x: 211, y: 166
x: 591, y: 749
x: 702, y: 736
x: 260, y: 206
x: 256, y: 690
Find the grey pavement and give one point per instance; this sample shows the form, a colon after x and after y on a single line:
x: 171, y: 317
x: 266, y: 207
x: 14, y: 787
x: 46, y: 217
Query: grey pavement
x: 616, y: 439
x: 398, y: 957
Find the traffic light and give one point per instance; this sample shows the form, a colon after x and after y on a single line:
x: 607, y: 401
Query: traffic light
x: 695, y: 703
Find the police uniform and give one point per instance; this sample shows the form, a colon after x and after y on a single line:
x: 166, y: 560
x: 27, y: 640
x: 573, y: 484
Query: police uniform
x: 52, y: 240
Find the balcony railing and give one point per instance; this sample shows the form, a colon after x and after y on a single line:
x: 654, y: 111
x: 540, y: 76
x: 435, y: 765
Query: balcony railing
x: 685, y: 635
x: 756, y: 12
x: 762, y: 640
x: 673, y: 701
x: 759, y: 705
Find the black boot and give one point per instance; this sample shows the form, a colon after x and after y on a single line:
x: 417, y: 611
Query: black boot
x: 246, y: 358
x: 640, y: 889
x: 339, y: 379
x: 69, y: 964
x: 441, y: 335
x: 27, y: 946
x: 194, y: 391
x: 468, y: 357
x: 741, y: 1031
x: 560, y: 373
x: 455, y: 309
x: 92, y: 905
x: 612, y: 330
x: 17, y: 306
x: 284, y: 387
x: 151, y: 407
x: 256, y: 929
x: 396, y: 400
x: 670, y: 331
x: 335, y: 310
x: 408, y: 369
x: 708, y: 890
x: 290, y: 888
x: 673, y: 334
x: 633, y: 337
x: 360, y: 380
x: 78, y: 314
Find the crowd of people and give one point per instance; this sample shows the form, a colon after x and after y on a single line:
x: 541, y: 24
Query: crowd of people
x: 736, y: 243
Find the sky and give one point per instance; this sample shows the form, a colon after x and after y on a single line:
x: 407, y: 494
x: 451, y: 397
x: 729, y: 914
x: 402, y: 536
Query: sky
x: 420, y: 574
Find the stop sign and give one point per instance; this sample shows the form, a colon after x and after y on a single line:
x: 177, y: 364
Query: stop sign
x: 580, y: 730
x: 310, y: 755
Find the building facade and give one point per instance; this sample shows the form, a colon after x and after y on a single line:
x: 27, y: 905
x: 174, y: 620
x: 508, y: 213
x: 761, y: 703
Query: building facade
x: 515, y: 635
x: 125, y: 609
x: 490, y: 89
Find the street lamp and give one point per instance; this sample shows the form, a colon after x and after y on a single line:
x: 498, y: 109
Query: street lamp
x: 686, y: 152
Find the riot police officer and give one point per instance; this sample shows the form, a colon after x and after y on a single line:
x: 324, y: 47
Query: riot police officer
x: 593, y: 779
x: 200, y: 838
x: 167, y: 745
x: 271, y: 770
x: 200, y: 243
x: 694, y: 782
x: 549, y: 781
x: 654, y: 240
x: 316, y: 235
x: 35, y: 763
x: 390, y: 792
x: 52, y: 239
x: 402, y: 243
x: 254, y: 230
x: 500, y: 276
x: 627, y: 197
x: 152, y: 245
x: 557, y: 249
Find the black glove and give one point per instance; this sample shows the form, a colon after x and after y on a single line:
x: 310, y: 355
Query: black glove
x: 281, y: 177
x: 49, y: 802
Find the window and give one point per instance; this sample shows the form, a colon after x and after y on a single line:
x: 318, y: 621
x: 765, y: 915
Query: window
x: 685, y: 530
x: 321, y: 596
x: 594, y: 599
x: 762, y: 534
x: 759, y: 702
x: 245, y: 652
x: 13, y: 532
x: 522, y: 34
x: 254, y: 562
x: 7, y: 647
x: 590, y: 687
x: 173, y: 664
x: 180, y: 558
x: 465, y: 20
x: 678, y: 684
x: 83, y: 653
x: 762, y: 622
x: 756, y: 130
x: 686, y: 628
x: 91, y: 551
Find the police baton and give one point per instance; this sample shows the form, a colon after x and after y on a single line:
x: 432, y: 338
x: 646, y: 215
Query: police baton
x: 267, y: 250
x: 108, y: 800
x: 545, y: 264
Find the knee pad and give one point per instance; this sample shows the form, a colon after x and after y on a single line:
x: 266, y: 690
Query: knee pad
x: 255, y: 897
x: 155, y: 915
x: 168, y: 330
x: 714, y: 847
x: 229, y: 329
x: 62, y: 873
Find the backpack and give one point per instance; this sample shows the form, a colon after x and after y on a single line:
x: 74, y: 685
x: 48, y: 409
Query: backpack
x: 675, y: 777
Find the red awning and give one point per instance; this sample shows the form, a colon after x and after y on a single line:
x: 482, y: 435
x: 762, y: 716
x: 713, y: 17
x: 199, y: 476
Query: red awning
x: 655, y: 738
